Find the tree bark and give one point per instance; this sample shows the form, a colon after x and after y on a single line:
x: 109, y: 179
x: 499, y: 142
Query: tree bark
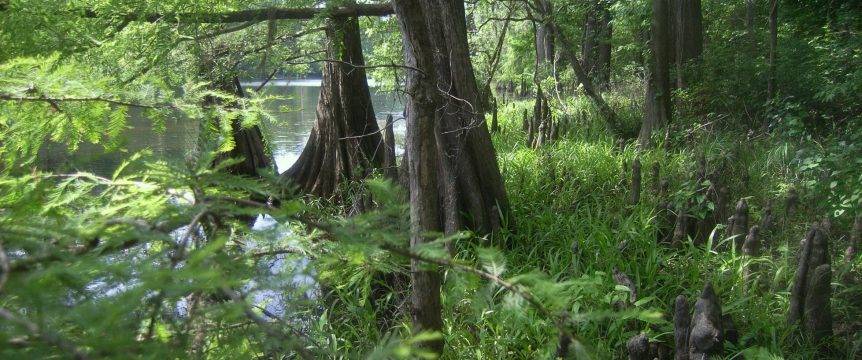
x: 658, y: 111
x: 568, y: 51
x: 750, y: 13
x: 454, y: 180
x: 596, y: 50
x: 773, y: 47
x: 248, y: 143
x: 688, y: 36
x: 345, y: 142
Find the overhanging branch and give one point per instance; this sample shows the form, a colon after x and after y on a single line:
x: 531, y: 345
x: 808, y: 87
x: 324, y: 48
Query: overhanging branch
x: 249, y: 15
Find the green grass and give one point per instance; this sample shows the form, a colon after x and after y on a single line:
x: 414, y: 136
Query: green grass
x: 568, y: 205
x: 571, y: 226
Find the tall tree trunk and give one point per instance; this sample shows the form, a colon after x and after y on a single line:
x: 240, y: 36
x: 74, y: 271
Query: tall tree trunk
x: 544, y: 44
x: 773, y: 47
x: 603, y: 66
x: 453, y: 175
x: 581, y: 75
x: 248, y: 142
x: 658, y: 105
x: 544, y: 65
x: 750, y: 13
x: 688, y: 29
x: 345, y: 142
x: 596, y: 50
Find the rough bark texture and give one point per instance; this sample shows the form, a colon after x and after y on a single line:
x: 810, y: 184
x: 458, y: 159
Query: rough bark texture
x: 635, y: 194
x: 596, y: 49
x: 740, y: 224
x: 767, y: 219
x: 638, y: 347
x: 390, y: 168
x: 248, y: 142
x: 680, y: 230
x: 453, y: 176
x: 681, y: 322
x: 706, y: 336
x: 657, y: 83
x: 688, y: 33
x: 345, y: 142
x: 810, y: 294
x: 495, y: 125
x: 541, y: 117
x: 751, y: 249
x: 544, y: 44
x: 818, y: 309
x: 797, y: 291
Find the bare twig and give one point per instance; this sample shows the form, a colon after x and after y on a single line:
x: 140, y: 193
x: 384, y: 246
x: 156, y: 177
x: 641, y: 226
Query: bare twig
x: 54, y: 100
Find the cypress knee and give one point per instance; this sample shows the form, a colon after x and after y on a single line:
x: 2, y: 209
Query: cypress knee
x: 740, y: 224
x: 681, y: 321
x: 751, y: 249
x: 706, y: 336
x: 638, y: 347
x: 818, y: 311
x: 635, y: 195
x: 680, y: 230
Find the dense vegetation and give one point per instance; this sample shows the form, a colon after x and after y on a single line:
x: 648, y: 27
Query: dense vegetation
x: 572, y: 168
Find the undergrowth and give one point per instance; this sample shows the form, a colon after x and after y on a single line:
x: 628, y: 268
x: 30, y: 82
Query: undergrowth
x: 571, y: 226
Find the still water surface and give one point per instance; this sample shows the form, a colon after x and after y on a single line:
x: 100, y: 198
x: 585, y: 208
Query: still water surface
x: 286, y: 136
x: 294, y: 117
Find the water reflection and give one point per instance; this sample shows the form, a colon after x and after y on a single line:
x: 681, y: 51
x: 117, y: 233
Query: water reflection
x: 296, y: 112
x: 285, y: 134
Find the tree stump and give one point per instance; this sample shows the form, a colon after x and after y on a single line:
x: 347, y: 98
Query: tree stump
x: 656, y: 178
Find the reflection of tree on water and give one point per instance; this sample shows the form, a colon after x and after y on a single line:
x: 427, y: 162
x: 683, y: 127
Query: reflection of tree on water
x: 286, y: 137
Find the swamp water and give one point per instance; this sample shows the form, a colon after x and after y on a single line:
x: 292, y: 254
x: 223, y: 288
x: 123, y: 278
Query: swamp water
x: 285, y: 137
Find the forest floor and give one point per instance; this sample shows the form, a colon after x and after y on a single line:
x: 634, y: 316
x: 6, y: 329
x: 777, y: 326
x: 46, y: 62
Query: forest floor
x: 576, y: 225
